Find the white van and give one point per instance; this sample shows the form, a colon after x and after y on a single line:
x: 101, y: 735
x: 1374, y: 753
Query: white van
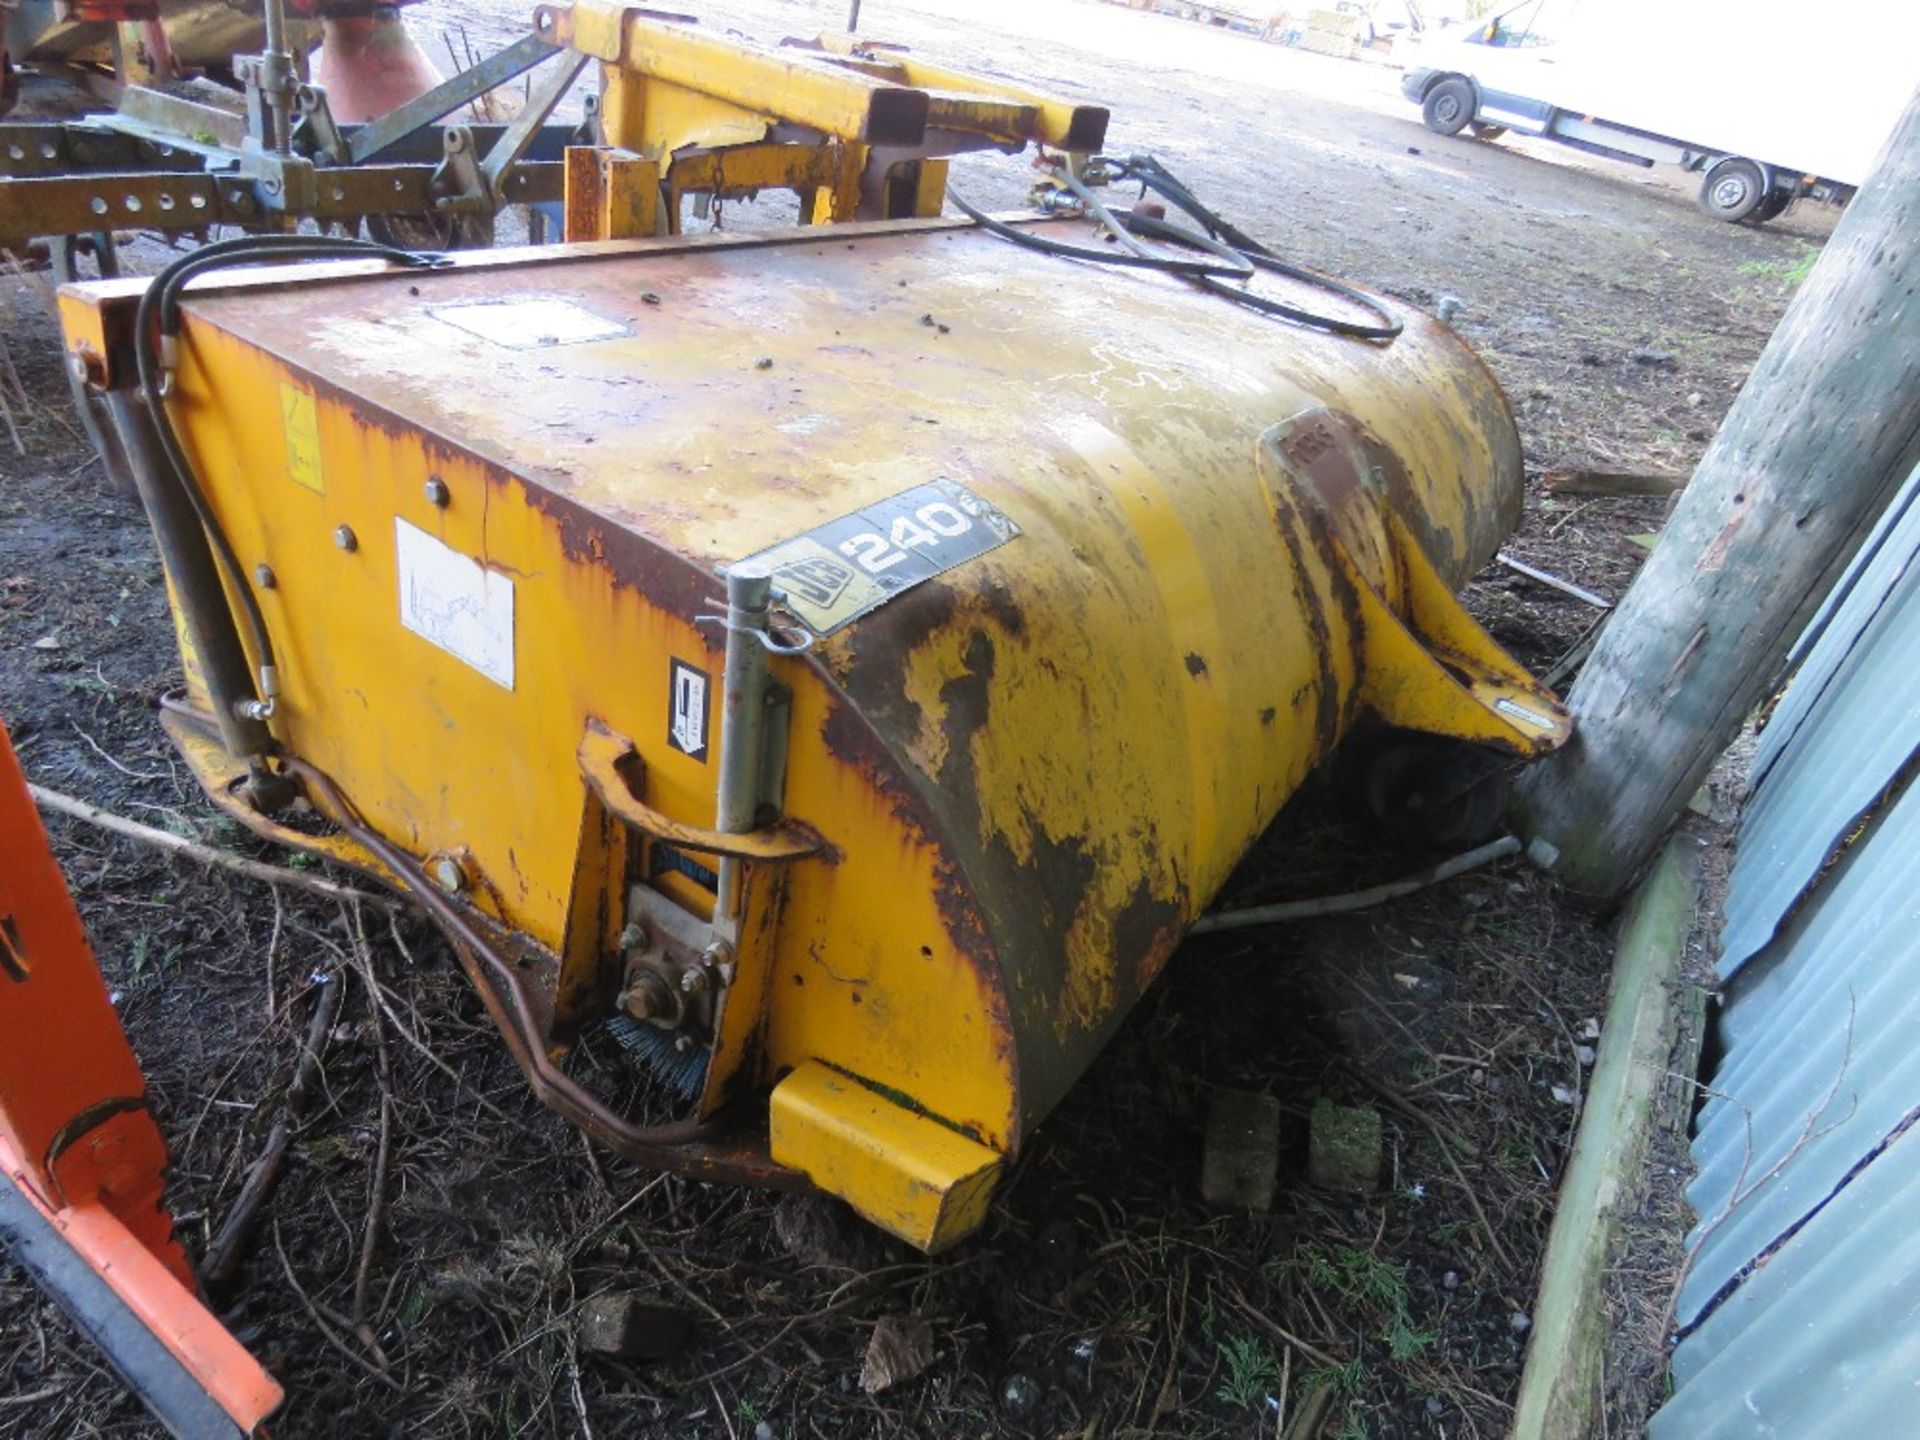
x: 1760, y: 98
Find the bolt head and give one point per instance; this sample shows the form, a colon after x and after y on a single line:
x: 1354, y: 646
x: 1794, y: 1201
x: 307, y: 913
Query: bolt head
x: 437, y: 492
x: 646, y: 997
x: 448, y: 875
x: 633, y: 937
x: 344, y: 537
x: 263, y: 576
x: 693, y: 982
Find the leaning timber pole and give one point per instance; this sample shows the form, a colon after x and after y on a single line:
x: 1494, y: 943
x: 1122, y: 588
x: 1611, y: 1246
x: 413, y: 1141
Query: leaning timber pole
x: 1824, y: 431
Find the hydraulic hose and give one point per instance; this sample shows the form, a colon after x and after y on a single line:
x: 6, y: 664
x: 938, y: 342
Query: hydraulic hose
x: 1237, y: 255
x: 156, y: 330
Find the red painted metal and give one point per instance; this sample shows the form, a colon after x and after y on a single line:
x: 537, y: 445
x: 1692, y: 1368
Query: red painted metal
x: 369, y: 65
x: 76, y: 1137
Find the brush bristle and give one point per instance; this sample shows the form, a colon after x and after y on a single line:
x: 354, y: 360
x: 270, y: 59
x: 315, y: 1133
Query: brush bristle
x: 684, y: 1070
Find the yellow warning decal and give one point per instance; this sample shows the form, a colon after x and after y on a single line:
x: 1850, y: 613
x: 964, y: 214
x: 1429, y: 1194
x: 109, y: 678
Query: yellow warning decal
x: 302, y: 426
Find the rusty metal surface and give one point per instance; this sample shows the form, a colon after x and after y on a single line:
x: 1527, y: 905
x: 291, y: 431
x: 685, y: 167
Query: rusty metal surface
x: 52, y: 204
x: 1036, y: 767
x: 990, y: 351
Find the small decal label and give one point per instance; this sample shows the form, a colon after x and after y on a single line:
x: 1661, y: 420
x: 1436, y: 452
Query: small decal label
x: 687, y: 710
x: 1522, y: 713
x: 669, y: 861
x: 453, y: 601
x: 302, y: 427
x: 837, y: 572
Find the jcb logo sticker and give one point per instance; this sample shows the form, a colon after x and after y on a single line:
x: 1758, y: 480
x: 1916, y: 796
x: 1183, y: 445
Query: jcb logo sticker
x: 687, y: 710
x: 837, y: 572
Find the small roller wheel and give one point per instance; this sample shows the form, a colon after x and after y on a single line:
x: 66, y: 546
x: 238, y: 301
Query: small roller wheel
x: 1426, y: 791
x: 1483, y: 131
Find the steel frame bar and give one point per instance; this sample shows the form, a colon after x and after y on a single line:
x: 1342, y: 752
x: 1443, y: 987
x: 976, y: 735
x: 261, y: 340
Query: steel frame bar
x: 375, y: 136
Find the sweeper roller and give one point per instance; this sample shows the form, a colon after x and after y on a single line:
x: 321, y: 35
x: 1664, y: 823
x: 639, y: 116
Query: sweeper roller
x: 848, y: 657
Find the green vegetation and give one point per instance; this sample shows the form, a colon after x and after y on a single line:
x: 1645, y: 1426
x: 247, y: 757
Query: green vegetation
x: 1252, y: 1372
x: 1345, y: 1381
x: 1788, y: 273
x: 1363, y: 1282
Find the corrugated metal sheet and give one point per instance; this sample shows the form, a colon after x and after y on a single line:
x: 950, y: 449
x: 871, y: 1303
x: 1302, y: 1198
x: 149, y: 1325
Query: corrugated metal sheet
x: 1801, y: 1311
x: 1845, y: 727
x: 1826, y: 1059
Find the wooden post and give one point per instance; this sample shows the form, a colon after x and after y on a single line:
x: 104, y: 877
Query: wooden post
x: 1825, y: 430
x: 1561, y: 1395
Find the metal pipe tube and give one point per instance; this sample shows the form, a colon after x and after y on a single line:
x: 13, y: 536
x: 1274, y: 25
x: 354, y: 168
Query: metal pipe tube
x: 278, y: 79
x: 199, y: 594
x: 743, y: 711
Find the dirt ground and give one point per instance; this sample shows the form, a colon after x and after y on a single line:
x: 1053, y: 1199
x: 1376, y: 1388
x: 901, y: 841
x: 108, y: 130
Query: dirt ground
x: 1102, y: 1298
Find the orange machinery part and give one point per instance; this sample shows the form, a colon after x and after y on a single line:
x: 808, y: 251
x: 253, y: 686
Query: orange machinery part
x: 82, y: 1163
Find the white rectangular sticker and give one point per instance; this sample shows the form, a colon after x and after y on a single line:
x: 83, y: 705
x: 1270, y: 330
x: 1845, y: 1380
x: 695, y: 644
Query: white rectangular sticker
x: 453, y: 601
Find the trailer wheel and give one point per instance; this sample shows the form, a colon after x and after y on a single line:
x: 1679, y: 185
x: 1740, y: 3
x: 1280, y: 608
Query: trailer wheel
x: 1772, y: 207
x: 1488, y: 132
x: 1733, y: 189
x: 1449, y: 106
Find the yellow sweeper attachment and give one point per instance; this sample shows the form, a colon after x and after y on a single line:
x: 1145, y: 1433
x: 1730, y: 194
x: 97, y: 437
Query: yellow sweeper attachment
x: 838, y: 661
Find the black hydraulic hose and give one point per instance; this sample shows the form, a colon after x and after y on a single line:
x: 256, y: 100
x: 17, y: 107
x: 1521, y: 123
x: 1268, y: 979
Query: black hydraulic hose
x: 193, y: 574
x: 1154, y: 176
x: 1229, y: 263
x: 157, y: 324
x: 1240, y: 255
x: 1390, y: 326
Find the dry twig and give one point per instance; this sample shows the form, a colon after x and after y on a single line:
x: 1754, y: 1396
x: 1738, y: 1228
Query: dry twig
x: 194, y: 850
x: 229, y: 1245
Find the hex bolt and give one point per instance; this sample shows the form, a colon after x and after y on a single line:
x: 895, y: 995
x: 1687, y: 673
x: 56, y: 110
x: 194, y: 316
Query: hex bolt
x: 634, y: 937
x: 344, y: 537
x: 437, y: 492
x: 264, y: 577
x: 448, y: 875
x: 692, y: 982
x: 647, y: 997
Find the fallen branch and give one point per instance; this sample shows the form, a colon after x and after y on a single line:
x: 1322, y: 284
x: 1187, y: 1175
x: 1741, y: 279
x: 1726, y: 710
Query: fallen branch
x: 1612, y: 482
x: 1267, y: 1323
x: 230, y: 1244
x: 194, y: 850
x: 364, y: 1365
x: 1396, y: 1101
x: 1312, y: 1414
x: 1359, y: 899
x: 377, y: 1192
